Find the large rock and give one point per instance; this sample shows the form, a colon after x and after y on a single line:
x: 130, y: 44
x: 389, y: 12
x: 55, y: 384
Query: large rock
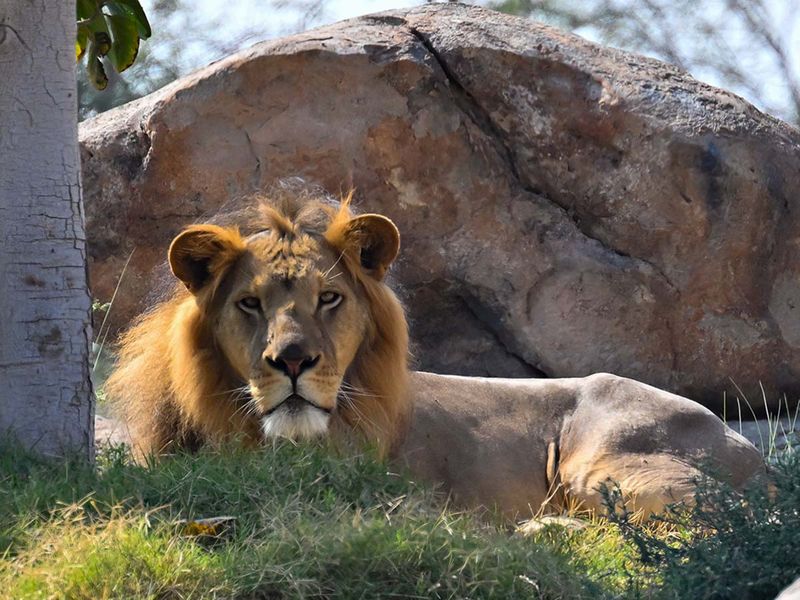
x: 566, y: 208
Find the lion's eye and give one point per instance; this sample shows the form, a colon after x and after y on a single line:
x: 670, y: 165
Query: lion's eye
x: 329, y: 299
x: 249, y: 304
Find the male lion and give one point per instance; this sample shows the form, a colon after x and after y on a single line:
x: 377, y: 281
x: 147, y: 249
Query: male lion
x: 284, y: 326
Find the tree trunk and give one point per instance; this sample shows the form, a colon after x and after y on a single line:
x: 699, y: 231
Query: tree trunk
x: 46, y: 399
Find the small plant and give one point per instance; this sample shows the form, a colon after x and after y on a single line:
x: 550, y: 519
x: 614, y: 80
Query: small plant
x: 776, y: 433
x: 102, y: 360
x: 727, y: 544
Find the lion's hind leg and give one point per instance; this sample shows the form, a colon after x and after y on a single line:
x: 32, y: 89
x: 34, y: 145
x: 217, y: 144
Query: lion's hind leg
x: 647, y: 482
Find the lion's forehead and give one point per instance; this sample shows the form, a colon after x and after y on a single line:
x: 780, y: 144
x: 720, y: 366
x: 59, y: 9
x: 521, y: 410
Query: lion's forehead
x: 290, y: 260
x: 290, y: 268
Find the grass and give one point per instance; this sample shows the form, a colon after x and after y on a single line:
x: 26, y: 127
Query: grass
x: 309, y: 524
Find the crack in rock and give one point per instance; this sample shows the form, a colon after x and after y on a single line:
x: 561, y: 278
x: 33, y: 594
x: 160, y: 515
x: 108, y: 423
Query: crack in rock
x: 473, y: 109
x: 257, y: 171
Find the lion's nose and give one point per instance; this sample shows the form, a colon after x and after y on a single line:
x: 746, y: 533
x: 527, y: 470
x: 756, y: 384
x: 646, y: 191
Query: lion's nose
x: 293, y: 360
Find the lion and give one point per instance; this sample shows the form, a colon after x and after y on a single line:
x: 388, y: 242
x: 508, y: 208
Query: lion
x: 282, y: 324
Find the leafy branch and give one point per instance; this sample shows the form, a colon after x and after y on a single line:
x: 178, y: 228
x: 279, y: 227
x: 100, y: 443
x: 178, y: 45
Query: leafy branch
x: 109, y: 29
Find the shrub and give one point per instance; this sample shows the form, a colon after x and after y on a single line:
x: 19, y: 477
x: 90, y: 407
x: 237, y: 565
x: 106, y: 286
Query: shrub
x: 728, y: 545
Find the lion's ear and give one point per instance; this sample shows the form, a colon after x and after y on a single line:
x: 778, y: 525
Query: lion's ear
x: 378, y: 241
x: 200, y: 252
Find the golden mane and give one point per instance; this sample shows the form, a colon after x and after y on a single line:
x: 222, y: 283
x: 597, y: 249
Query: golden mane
x: 174, y: 385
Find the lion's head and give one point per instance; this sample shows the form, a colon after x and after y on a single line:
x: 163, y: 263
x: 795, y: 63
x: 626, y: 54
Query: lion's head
x: 285, y: 327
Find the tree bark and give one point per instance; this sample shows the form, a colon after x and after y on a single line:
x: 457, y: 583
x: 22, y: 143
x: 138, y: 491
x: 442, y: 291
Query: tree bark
x: 46, y: 398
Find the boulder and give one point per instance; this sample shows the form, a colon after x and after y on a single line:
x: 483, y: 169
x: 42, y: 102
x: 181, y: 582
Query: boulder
x: 566, y: 208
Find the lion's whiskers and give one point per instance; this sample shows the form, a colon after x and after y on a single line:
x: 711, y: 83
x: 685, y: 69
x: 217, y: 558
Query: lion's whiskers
x: 247, y: 409
x: 358, y: 391
x: 352, y: 405
x: 235, y: 390
x: 333, y: 266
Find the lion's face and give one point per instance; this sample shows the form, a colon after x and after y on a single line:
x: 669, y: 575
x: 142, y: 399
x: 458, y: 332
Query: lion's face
x: 286, y: 313
x: 290, y: 325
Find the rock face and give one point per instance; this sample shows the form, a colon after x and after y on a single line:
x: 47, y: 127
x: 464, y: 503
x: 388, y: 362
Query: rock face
x: 566, y: 208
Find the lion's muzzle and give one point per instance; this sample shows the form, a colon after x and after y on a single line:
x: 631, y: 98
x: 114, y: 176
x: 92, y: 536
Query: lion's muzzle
x: 295, y: 404
x: 296, y: 418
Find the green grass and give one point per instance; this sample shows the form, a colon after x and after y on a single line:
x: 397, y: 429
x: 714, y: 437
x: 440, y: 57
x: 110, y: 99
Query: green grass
x: 311, y: 524
x: 308, y: 525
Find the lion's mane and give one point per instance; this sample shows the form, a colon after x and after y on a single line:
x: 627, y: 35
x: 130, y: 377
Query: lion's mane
x: 173, y: 385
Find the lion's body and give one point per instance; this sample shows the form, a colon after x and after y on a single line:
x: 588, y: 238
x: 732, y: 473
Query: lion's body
x: 521, y: 444
x: 286, y: 328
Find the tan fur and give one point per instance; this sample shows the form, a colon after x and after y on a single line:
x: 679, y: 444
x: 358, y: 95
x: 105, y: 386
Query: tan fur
x: 528, y: 446
x: 177, y: 388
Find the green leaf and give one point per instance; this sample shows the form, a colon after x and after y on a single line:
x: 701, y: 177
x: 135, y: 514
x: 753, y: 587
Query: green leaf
x: 125, y: 41
x: 102, y: 42
x: 98, y: 33
x: 97, y: 73
x: 86, y: 9
x: 134, y: 11
x: 110, y: 28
